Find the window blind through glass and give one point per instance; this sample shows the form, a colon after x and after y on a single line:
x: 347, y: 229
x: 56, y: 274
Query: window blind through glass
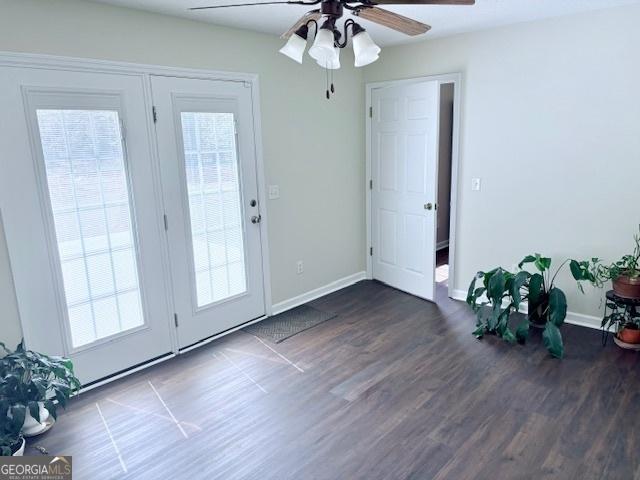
x: 89, y: 195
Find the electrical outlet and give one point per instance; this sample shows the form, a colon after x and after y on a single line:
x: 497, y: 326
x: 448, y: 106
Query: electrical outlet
x: 300, y: 267
x: 475, y: 184
x: 274, y: 192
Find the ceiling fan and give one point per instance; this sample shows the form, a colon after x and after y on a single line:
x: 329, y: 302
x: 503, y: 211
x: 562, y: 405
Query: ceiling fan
x: 328, y: 38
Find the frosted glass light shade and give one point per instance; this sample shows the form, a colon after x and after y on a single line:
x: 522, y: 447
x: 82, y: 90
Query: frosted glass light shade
x: 364, y: 49
x: 294, y: 48
x: 332, y: 64
x: 323, y: 50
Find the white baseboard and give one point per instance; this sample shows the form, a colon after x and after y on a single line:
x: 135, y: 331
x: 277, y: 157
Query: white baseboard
x: 573, y: 318
x: 442, y: 244
x: 317, y: 293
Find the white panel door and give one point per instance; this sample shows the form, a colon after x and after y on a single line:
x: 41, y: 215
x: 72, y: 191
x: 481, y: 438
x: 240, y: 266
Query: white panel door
x: 81, y: 218
x: 404, y: 159
x: 208, y: 163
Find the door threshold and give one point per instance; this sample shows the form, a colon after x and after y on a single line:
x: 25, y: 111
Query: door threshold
x: 126, y: 372
x: 162, y: 358
x: 210, y: 339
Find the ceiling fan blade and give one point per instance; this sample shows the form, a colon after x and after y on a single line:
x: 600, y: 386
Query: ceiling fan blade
x: 312, y: 15
x: 392, y: 20
x: 423, y: 2
x: 252, y: 4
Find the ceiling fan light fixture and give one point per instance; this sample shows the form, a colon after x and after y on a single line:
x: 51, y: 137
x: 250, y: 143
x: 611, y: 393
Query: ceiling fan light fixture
x: 323, y: 49
x: 296, y: 45
x: 364, y: 48
x: 333, y: 64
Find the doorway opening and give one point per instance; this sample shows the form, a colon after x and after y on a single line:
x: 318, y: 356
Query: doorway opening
x: 411, y: 220
x: 445, y: 154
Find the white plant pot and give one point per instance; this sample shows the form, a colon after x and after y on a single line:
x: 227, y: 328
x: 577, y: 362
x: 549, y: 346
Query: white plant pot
x: 20, y: 451
x: 31, y: 426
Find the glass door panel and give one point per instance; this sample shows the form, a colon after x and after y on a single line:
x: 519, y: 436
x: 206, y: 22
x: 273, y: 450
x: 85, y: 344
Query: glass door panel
x: 214, y: 196
x: 89, y: 198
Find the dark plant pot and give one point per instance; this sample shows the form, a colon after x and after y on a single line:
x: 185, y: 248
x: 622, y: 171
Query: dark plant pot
x: 629, y: 335
x: 537, y: 317
x: 627, y: 287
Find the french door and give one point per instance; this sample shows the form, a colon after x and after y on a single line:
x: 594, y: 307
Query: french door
x: 128, y: 242
x: 81, y: 217
x: 404, y: 161
x: 207, y: 157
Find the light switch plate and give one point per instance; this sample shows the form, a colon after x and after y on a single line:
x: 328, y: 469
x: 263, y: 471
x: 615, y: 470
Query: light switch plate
x: 274, y: 192
x: 475, y: 184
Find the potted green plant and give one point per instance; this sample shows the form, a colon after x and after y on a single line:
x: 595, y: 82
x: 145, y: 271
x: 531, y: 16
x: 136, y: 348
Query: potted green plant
x: 12, y: 442
x: 502, y: 293
x: 624, y: 274
x: 36, y: 383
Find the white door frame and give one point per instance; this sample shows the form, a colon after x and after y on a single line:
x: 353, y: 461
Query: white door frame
x: 456, y: 79
x: 54, y: 62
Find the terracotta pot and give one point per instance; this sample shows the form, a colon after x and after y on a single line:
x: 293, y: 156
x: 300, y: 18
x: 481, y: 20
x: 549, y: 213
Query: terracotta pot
x: 627, y: 287
x: 629, y: 335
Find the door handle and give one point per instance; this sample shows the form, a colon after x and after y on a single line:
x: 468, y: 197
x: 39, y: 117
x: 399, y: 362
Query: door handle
x: 256, y: 219
x: 428, y: 206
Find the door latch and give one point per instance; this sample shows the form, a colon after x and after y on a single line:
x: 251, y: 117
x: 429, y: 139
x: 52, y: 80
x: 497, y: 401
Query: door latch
x: 256, y: 219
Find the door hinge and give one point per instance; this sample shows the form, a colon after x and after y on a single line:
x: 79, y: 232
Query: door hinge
x: 155, y: 114
x: 370, y: 112
x: 166, y: 223
x: 371, y: 251
x: 175, y: 319
x: 370, y: 184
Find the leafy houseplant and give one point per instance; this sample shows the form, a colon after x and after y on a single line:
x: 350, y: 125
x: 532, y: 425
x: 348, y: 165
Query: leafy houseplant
x: 626, y: 323
x: 505, y: 291
x: 624, y: 273
x: 11, y: 440
x: 31, y: 383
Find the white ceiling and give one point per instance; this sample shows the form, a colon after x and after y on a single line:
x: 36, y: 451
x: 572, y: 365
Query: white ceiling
x: 445, y: 20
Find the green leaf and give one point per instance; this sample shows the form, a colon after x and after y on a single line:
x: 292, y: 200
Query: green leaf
x: 471, y: 299
x: 522, y: 332
x: 527, y: 259
x: 61, y: 397
x: 487, y: 277
x: 576, y: 270
x: 503, y: 322
x: 494, y: 317
x: 536, y: 288
x: 557, y: 306
x: 496, y: 287
x: 479, y: 332
x: 34, y: 410
x: 508, y: 335
x: 553, y: 340
x: 542, y: 263
x: 51, y: 407
x: 519, y: 281
x: 18, y: 414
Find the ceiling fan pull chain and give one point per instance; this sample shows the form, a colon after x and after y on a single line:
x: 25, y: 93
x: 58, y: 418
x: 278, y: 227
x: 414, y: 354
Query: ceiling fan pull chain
x: 333, y: 90
x: 327, y: 77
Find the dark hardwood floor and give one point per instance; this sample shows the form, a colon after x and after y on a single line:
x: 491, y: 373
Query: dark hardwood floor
x: 393, y: 388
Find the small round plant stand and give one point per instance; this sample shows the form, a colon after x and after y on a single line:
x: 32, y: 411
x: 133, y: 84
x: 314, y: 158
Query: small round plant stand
x: 614, y: 304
